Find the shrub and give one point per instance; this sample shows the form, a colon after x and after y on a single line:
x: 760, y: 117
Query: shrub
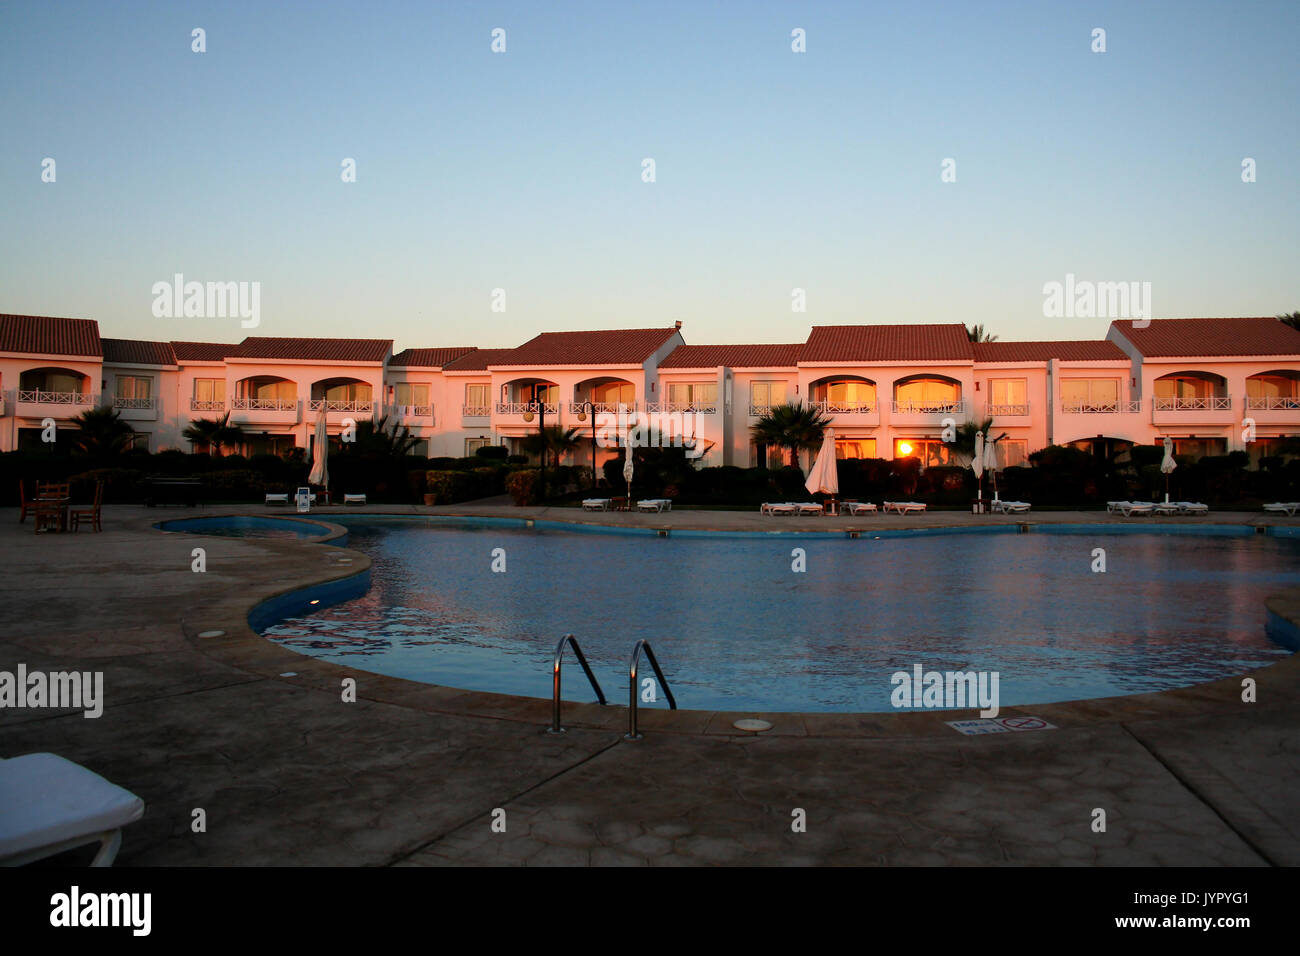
x: 120, y: 484
x: 524, y: 486
x: 495, y: 452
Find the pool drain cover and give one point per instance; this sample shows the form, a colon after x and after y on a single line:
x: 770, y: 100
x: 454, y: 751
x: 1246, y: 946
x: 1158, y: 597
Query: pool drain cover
x: 212, y: 633
x: 753, y: 724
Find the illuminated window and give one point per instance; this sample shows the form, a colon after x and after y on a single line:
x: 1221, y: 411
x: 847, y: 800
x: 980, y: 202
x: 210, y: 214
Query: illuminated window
x: 931, y: 451
x: 855, y: 448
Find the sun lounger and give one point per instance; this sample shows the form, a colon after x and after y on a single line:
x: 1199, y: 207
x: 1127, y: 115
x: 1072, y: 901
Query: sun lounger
x: 277, y: 499
x: 1113, y: 506
x: 52, y: 805
x: 354, y: 499
x: 654, y: 504
x: 1166, y: 508
x: 771, y: 508
x: 904, y: 507
x: 860, y: 507
x: 809, y: 507
x: 1011, y: 507
x: 595, y: 504
x: 1131, y: 508
x: 1192, y: 508
x: 1289, y: 507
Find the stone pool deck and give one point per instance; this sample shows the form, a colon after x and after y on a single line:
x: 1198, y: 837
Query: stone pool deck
x: 288, y: 773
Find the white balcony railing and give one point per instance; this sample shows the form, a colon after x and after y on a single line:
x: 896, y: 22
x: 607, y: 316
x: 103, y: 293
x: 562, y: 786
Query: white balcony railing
x: 1274, y: 402
x: 930, y: 408
x: 519, y: 408
x: 1213, y: 403
x: 415, y: 411
x: 334, y: 405
x: 264, y: 404
x: 1005, y: 410
x: 668, y: 408
x: 828, y: 407
x: 599, y: 408
x: 207, y: 405
x: 54, y: 398
x: 120, y: 402
x: 475, y: 411
x: 1102, y: 408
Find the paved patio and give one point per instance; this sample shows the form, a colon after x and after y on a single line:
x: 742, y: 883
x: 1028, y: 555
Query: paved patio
x: 287, y: 773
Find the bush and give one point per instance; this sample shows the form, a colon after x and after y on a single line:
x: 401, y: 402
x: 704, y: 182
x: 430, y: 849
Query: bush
x: 120, y: 485
x: 517, y: 459
x: 495, y: 452
x: 524, y: 486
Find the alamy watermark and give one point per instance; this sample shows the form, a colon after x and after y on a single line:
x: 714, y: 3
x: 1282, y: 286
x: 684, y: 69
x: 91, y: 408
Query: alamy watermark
x: 75, y: 690
x: 945, y: 689
x: 208, y: 300
x: 1085, y: 299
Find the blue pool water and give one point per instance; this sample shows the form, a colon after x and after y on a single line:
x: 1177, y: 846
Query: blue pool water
x: 736, y: 629
x: 245, y: 526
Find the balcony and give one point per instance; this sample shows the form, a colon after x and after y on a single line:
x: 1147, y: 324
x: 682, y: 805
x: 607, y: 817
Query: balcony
x: 1274, y: 410
x: 136, y: 409
x: 476, y: 411
x: 1102, y: 408
x: 1007, y: 411
x: 1196, y: 410
x: 338, y: 411
x: 36, y: 403
x: 848, y: 413
x: 207, y: 405
x: 601, y: 408
x: 265, y: 411
x: 670, y: 408
x: 926, y: 413
x: 406, y: 412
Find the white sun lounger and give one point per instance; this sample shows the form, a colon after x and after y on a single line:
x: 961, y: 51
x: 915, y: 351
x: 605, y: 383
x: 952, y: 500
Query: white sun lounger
x: 809, y: 508
x: 1011, y: 507
x: 595, y: 504
x: 354, y: 499
x: 904, y: 507
x: 1192, y: 508
x: 1131, y: 508
x: 1166, y: 508
x: 51, y: 805
x: 1113, y: 506
x: 1289, y: 507
x: 771, y: 508
x: 654, y: 504
x: 277, y: 499
x: 860, y: 507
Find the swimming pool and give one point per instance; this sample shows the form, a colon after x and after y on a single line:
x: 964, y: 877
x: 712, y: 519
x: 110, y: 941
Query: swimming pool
x: 248, y: 526
x: 737, y: 629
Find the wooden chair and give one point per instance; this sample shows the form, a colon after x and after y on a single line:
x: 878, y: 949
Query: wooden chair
x: 90, y: 514
x: 24, y: 502
x: 51, y: 505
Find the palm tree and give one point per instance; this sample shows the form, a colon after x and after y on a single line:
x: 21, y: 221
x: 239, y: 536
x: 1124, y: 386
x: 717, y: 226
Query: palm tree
x: 214, y: 432
x: 963, y: 445
x: 792, y: 426
x: 101, y: 432
x: 976, y: 333
x: 554, y: 439
x: 381, y: 438
x: 1291, y: 318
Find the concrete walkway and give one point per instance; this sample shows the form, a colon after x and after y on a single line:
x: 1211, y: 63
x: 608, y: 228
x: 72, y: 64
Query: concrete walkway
x: 287, y: 772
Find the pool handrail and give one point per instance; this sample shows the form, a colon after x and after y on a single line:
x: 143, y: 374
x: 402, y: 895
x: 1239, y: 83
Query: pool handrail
x: 555, y: 727
x: 643, y: 645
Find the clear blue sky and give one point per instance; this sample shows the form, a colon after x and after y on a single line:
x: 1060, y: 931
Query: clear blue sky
x: 523, y: 170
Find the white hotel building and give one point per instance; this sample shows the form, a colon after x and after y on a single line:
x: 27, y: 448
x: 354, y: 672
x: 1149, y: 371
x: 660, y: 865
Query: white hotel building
x: 1213, y: 385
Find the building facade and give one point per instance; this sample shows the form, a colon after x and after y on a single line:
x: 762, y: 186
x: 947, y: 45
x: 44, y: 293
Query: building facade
x: 890, y: 391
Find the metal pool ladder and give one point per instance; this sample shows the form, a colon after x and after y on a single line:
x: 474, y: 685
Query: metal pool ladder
x: 632, y: 686
x: 555, y: 727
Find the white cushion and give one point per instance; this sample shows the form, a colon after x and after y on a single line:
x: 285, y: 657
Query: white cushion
x: 46, y: 800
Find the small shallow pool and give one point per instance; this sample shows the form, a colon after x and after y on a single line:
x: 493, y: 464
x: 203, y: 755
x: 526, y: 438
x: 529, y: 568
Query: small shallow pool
x: 737, y: 629
x: 246, y: 526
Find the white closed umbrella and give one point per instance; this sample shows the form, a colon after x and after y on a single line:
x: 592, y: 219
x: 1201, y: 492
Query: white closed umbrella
x: 1168, y: 464
x: 991, y: 464
x: 627, y: 467
x: 824, y: 477
x: 320, y: 474
x: 977, y: 462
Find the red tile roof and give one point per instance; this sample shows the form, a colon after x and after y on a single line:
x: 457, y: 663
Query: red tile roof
x: 602, y: 347
x: 477, y: 360
x: 427, y: 358
x: 887, y: 343
x: 1066, y: 351
x: 733, y: 356
x: 1174, y: 338
x: 136, y: 352
x: 316, y: 350
x: 202, y: 351
x: 47, y: 335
